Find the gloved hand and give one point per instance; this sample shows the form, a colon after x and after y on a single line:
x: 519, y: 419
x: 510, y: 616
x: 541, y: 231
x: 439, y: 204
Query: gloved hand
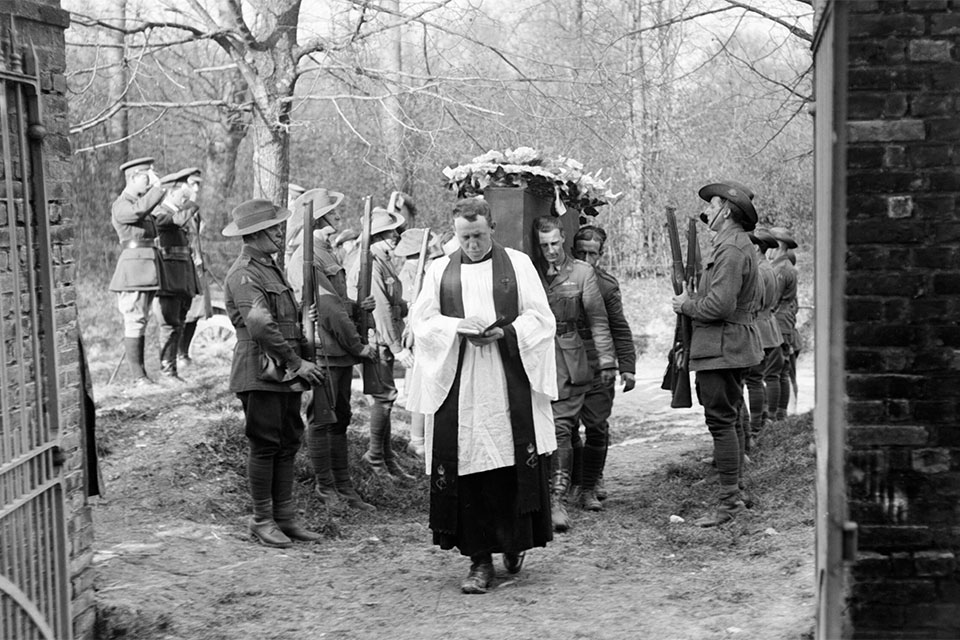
x: 608, y: 376
x: 369, y: 352
x: 629, y: 381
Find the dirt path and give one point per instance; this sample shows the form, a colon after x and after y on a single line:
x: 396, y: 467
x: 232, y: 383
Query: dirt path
x: 622, y: 573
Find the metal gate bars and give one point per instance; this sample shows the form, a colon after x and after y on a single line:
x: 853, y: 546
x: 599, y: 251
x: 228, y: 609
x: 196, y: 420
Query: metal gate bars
x: 34, y: 576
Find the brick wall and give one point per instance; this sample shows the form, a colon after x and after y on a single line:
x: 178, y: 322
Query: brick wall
x: 41, y: 23
x: 902, y: 332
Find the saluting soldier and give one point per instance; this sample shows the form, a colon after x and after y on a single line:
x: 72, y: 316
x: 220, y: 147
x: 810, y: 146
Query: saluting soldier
x: 725, y: 341
x: 179, y: 282
x: 197, y: 308
x: 137, y: 276
x: 269, y: 371
x: 588, y: 246
x: 575, y: 299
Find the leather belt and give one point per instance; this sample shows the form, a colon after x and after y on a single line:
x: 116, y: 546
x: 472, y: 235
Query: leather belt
x: 176, y: 251
x: 566, y: 327
x: 138, y: 244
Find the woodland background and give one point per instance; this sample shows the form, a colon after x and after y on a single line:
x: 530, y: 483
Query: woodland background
x: 367, y: 97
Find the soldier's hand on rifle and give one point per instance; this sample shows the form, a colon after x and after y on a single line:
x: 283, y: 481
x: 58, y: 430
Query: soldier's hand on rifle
x: 406, y: 358
x: 608, y: 376
x: 369, y: 352
x: 312, y: 313
x: 310, y: 372
x: 368, y: 304
x: 629, y: 381
x: 679, y: 300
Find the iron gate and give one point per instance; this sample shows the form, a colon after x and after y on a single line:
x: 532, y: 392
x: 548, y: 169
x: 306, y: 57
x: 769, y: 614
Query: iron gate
x: 34, y: 577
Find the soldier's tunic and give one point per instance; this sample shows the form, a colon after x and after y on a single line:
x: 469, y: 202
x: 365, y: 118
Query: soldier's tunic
x: 725, y: 341
x: 575, y: 299
x: 786, y: 314
x: 137, y: 275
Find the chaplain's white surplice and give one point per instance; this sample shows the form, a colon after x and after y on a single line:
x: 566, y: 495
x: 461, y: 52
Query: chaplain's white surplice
x: 485, y: 437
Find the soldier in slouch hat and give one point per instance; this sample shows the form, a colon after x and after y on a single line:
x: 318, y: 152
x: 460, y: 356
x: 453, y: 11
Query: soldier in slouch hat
x: 725, y: 341
x: 269, y: 371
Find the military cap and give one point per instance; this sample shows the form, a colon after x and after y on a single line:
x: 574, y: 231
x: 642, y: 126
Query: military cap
x: 145, y: 162
x: 763, y: 239
x: 179, y: 176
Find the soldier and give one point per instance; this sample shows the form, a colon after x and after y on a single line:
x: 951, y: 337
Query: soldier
x: 786, y: 314
x: 762, y: 393
x: 339, y: 346
x: 597, y: 404
x: 575, y: 299
x: 136, y: 278
x: 725, y: 341
x: 180, y: 283
x: 388, y: 315
x: 268, y: 372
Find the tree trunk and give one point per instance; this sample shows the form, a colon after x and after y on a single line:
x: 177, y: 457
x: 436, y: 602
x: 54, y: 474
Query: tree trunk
x: 115, y: 54
x: 393, y: 116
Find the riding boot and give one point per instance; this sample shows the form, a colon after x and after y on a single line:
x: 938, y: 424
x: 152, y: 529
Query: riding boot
x: 379, y: 430
x: 169, y: 339
x: 601, y: 488
x: 393, y: 467
x: 262, y: 525
x: 576, y: 470
x: 318, y: 450
x: 284, y: 509
x: 133, y: 347
x: 592, y: 465
x: 562, y: 460
x: 183, y: 345
x: 340, y: 468
x: 729, y: 508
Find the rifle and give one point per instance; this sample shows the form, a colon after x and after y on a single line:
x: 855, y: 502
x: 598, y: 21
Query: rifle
x: 676, y: 379
x: 323, y: 412
x: 372, y: 378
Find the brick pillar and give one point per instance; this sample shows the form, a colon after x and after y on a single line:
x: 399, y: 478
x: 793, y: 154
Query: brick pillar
x: 903, y: 307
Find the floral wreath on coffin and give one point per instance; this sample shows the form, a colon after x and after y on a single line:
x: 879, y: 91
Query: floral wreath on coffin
x: 562, y: 178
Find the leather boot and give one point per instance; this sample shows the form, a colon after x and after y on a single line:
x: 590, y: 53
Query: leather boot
x: 183, y: 345
x: 134, y: 352
x: 481, y: 574
x: 561, y: 461
x: 318, y: 450
x: 262, y: 524
x: 576, y: 473
x: 393, y: 467
x: 339, y: 466
x: 379, y: 429
x: 284, y: 511
x: 592, y: 461
x: 729, y: 508
x: 170, y: 337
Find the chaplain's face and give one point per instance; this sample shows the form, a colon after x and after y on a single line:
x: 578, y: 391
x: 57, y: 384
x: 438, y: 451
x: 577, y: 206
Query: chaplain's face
x: 551, y: 245
x: 475, y: 236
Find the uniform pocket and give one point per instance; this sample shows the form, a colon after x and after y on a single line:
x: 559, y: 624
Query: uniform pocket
x: 572, y: 365
x: 707, y: 340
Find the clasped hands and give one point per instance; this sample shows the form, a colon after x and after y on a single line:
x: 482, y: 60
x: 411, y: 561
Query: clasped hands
x: 473, y: 329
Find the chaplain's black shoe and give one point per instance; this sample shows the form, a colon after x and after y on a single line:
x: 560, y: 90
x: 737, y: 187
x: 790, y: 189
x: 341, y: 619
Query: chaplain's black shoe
x: 479, y: 578
x: 513, y: 560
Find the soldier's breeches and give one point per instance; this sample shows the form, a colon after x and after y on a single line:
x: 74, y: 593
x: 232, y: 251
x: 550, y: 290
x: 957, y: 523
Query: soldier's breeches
x: 134, y: 306
x: 272, y: 423
x: 597, y: 405
x: 720, y: 391
x: 566, y: 419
